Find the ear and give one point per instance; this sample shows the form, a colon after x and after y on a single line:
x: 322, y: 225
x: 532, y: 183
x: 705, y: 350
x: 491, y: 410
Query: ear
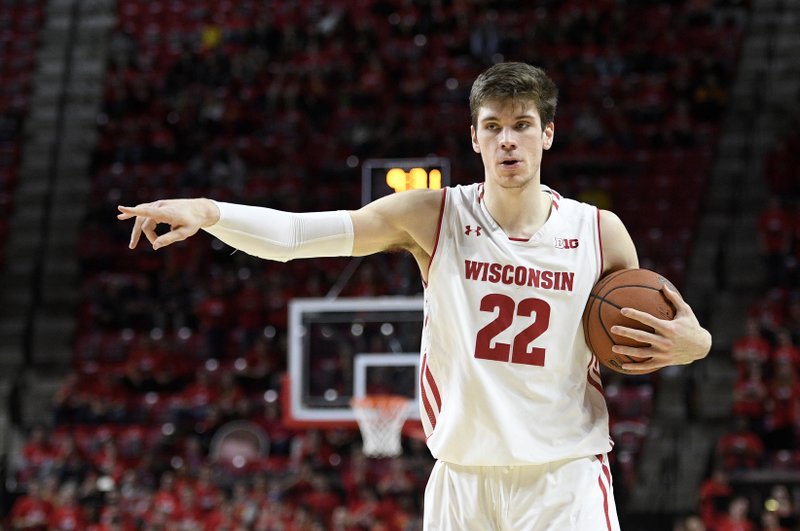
x: 475, y: 146
x: 548, y: 134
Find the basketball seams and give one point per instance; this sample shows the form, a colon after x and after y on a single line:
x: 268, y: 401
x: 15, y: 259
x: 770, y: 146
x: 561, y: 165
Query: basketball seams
x: 593, y: 297
x: 612, y: 290
x: 594, y: 312
x: 586, y: 317
x: 608, y: 334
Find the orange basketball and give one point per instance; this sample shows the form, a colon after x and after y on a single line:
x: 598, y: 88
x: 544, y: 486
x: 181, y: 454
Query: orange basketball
x: 628, y: 288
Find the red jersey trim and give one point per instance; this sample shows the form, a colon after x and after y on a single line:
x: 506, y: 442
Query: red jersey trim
x: 593, y: 375
x: 556, y: 197
x: 594, y: 384
x: 607, y: 475
x: 600, y: 243
x: 434, y: 388
x: 426, y: 403
x: 605, y: 502
x: 438, y: 236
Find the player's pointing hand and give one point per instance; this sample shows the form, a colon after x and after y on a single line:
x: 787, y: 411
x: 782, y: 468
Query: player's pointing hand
x: 184, y: 217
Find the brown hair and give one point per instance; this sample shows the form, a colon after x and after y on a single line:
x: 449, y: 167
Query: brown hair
x: 515, y: 82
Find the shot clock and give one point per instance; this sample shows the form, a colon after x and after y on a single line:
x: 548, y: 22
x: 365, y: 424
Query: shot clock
x: 381, y: 177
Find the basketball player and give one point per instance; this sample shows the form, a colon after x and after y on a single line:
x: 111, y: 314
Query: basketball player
x: 511, y: 404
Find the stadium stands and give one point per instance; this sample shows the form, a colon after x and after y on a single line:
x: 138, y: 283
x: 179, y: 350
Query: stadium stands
x: 264, y: 103
x: 757, y: 462
x: 19, y: 37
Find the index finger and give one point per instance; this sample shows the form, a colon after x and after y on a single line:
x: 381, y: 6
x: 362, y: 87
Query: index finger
x: 136, y: 233
x: 145, y: 210
x: 643, y: 317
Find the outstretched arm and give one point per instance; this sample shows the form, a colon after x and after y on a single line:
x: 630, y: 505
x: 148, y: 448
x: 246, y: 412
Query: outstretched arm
x: 677, y: 342
x: 399, y: 221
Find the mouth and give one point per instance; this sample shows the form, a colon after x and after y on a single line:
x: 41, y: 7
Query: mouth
x: 510, y: 163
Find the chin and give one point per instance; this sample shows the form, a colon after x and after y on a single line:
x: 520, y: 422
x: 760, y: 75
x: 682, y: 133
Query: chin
x: 515, y: 181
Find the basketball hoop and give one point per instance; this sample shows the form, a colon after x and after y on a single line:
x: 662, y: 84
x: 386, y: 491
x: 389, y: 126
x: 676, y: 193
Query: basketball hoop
x: 380, y: 419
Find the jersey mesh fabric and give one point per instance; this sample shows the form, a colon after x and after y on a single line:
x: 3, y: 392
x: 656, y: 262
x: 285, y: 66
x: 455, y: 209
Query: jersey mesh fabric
x: 503, y: 328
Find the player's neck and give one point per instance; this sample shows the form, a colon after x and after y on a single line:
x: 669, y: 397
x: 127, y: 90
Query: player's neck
x: 520, y: 212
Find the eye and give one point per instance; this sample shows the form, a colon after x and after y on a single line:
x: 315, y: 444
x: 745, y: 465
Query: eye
x: 523, y: 125
x: 491, y: 127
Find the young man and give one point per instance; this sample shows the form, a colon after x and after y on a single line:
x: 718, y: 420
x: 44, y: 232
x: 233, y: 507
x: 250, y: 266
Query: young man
x: 511, y: 399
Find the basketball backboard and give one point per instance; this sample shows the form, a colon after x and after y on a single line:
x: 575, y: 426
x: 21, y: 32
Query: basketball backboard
x: 350, y: 347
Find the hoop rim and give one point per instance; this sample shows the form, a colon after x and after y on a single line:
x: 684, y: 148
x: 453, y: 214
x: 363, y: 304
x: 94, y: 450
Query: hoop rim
x: 379, y: 401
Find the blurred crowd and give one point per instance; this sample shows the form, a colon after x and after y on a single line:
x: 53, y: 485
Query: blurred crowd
x: 277, y: 104
x: 761, y: 447
x: 20, y: 24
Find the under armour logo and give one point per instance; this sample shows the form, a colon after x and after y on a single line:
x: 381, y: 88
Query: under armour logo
x: 469, y: 230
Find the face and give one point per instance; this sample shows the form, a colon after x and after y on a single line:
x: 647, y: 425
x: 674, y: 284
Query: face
x: 510, y: 139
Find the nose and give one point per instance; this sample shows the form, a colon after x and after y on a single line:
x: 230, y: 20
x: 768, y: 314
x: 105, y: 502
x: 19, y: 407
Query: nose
x: 508, y: 140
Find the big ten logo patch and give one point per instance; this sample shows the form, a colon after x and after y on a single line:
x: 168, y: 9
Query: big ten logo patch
x: 566, y: 243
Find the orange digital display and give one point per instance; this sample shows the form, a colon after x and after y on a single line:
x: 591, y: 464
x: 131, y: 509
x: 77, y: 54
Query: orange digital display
x: 400, y: 180
x: 381, y: 177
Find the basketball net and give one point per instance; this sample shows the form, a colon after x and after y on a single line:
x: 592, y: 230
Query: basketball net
x: 380, y: 419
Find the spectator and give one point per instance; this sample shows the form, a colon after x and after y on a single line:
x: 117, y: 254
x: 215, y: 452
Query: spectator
x: 396, y: 481
x: 781, y: 505
x: 694, y: 523
x: 782, y: 407
x: 751, y: 348
x: 112, y: 518
x: 146, y: 366
x: 197, y: 398
x: 223, y: 517
x: 786, y: 351
x: 37, y: 454
x: 322, y: 500
x: 358, y: 474
x: 31, y: 511
x: 340, y: 520
x: 741, y: 448
x: 737, y: 518
x: 771, y: 522
x: 67, y: 514
x: 245, y: 506
x: 775, y: 234
x: 750, y: 396
x: 165, y: 499
x: 715, y: 493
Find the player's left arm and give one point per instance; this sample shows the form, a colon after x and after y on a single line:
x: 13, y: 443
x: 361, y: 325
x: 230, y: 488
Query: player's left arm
x: 677, y: 342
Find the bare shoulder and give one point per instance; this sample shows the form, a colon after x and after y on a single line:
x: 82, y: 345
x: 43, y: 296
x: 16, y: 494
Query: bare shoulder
x: 407, y: 220
x: 619, y: 251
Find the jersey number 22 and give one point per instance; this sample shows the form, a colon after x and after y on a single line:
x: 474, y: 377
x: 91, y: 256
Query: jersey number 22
x: 519, y: 351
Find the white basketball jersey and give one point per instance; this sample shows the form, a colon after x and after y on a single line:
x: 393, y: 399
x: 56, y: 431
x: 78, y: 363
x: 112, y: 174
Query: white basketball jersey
x: 506, y: 377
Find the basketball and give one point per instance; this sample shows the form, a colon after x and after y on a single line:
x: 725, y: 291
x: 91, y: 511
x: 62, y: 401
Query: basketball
x: 628, y: 288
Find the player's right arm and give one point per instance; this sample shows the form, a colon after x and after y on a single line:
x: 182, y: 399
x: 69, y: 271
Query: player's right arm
x: 408, y: 220
x: 399, y: 221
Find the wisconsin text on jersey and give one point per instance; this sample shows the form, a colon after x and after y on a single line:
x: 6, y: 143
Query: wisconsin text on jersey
x: 520, y: 275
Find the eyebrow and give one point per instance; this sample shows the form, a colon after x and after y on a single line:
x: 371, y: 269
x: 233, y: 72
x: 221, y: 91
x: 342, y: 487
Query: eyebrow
x: 520, y: 117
